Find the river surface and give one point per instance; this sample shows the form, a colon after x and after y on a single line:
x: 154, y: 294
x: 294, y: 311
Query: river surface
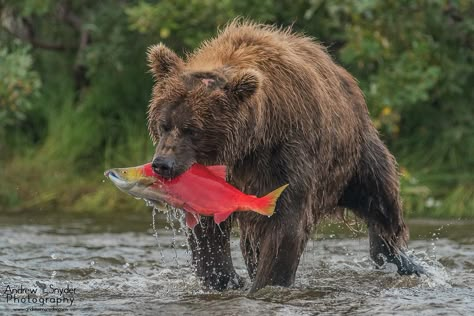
x: 121, y: 265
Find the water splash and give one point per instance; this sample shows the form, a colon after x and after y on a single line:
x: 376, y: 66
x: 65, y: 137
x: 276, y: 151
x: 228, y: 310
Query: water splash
x: 155, y: 231
x: 328, y: 282
x: 436, y: 274
x: 170, y: 217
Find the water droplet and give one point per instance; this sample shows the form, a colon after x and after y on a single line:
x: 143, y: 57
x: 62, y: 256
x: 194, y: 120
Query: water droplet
x: 92, y: 263
x: 155, y: 233
x: 171, y: 216
x: 53, y: 256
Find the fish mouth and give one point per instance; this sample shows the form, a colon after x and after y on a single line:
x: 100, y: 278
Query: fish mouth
x: 116, y: 179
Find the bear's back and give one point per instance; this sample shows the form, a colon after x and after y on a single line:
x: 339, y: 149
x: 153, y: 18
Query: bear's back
x: 250, y: 45
x: 302, y: 87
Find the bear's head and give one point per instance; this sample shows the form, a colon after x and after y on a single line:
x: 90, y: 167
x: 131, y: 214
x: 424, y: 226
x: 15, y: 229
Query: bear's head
x: 194, y: 115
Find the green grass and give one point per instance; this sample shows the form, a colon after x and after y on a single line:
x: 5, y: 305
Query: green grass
x: 60, y: 166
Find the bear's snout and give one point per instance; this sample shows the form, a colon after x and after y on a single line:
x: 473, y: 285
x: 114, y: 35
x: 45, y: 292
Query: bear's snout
x: 163, y: 166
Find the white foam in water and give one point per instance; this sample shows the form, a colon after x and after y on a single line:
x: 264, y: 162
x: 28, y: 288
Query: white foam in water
x: 436, y: 274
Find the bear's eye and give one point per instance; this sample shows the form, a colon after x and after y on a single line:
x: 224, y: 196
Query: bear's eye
x: 165, y: 128
x: 189, y: 131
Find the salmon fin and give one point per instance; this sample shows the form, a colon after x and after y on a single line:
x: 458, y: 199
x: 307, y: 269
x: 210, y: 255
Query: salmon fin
x: 219, y: 171
x: 266, y: 204
x: 191, y: 219
x: 220, y: 217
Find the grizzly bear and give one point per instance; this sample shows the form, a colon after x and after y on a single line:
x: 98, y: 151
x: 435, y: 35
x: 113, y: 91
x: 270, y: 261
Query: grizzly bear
x: 274, y: 108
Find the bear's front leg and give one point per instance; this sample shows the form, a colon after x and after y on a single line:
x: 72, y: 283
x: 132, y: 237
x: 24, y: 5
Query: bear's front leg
x: 281, y: 244
x: 211, y: 257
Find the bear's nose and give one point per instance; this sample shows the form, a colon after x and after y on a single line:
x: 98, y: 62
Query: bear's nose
x: 163, y: 166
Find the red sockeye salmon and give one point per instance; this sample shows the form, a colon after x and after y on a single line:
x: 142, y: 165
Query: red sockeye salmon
x: 200, y: 190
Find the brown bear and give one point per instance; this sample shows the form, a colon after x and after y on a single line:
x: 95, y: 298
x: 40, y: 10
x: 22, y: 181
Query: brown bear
x: 274, y: 108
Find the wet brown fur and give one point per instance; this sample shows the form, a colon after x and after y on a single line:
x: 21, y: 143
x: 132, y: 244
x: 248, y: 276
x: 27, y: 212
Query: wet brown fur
x: 276, y: 109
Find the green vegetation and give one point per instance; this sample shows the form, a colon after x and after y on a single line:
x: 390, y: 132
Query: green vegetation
x: 74, y: 89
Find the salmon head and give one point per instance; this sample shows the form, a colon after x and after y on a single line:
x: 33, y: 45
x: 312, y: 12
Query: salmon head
x: 133, y: 180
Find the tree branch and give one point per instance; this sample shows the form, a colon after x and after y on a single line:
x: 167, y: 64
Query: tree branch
x: 39, y: 43
x: 65, y: 14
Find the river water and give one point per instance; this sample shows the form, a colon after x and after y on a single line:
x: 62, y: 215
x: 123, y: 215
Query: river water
x: 119, y: 265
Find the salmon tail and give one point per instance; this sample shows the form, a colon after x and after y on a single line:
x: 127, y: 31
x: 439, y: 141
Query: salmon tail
x: 266, y: 204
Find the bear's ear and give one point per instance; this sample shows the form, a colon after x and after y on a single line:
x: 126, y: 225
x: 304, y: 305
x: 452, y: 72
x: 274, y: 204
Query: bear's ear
x: 162, y: 61
x: 243, y: 85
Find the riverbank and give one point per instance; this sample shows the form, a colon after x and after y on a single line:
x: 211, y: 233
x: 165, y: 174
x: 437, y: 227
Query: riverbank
x: 91, y: 193
x: 44, y: 178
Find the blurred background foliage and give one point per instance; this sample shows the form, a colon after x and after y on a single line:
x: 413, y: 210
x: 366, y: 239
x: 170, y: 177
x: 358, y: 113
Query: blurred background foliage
x: 74, y: 89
